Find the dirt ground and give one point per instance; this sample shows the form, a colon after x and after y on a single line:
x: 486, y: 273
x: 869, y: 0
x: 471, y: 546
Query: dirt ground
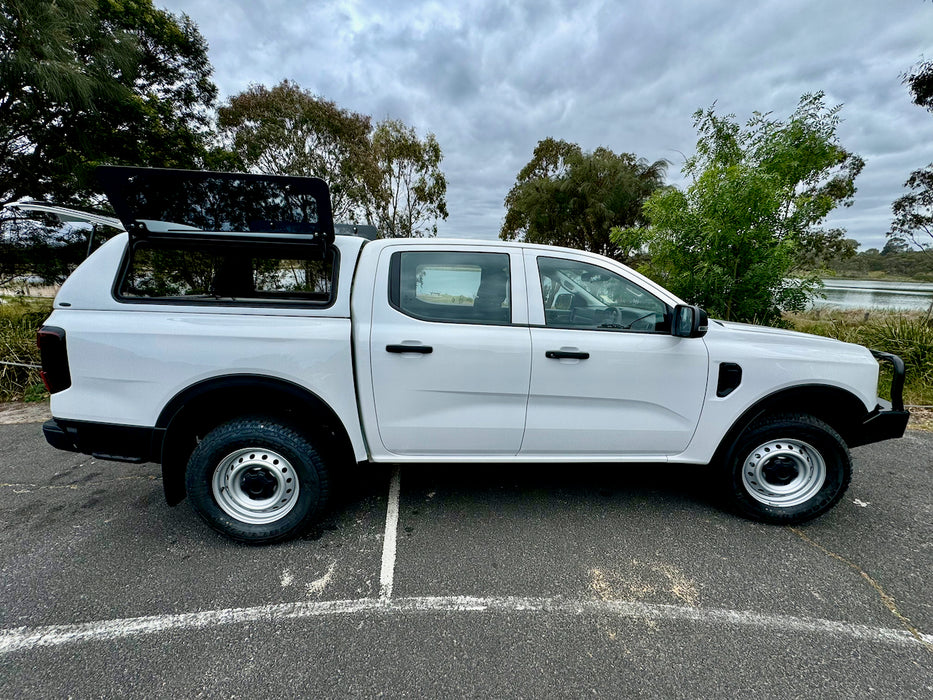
x: 18, y: 412
x: 920, y: 418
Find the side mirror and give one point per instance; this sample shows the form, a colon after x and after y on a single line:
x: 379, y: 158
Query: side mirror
x: 689, y: 322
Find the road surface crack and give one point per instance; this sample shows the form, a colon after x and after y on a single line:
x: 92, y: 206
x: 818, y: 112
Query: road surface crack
x: 886, y: 599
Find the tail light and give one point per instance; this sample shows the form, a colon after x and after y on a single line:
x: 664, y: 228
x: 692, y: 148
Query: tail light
x: 55, y: 374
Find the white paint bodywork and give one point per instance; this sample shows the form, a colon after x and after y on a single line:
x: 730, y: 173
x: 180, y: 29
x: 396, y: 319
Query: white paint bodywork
x: 486, y: 393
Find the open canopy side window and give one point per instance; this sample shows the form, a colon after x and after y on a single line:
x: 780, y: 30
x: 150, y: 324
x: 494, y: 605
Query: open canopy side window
x: 198, y: 205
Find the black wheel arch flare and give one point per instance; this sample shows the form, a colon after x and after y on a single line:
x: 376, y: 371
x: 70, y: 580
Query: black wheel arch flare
x: 210, y: 402
x: 840, y: 409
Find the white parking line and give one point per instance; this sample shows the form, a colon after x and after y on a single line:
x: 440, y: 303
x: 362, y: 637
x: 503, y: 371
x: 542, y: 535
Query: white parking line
x: 387, y: 574
x: 29, y: 638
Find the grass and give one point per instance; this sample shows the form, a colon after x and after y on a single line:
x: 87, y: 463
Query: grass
x: 20, y: 317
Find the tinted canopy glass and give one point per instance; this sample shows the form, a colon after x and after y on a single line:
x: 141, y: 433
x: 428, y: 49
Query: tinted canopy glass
x: 185, y: 200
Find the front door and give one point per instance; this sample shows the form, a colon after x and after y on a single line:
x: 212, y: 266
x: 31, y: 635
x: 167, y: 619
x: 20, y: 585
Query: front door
x: 607, y: 378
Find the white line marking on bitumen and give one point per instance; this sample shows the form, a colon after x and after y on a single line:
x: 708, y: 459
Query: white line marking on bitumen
x: 24, y: 639
x: 387, y: 574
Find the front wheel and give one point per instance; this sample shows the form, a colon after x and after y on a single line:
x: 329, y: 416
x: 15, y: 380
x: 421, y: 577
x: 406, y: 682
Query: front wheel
x: 257, y: 481
x: 787, y: 468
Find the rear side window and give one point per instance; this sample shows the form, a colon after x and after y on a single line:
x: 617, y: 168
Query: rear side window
x: 452, y: 286
x: 170, y: 271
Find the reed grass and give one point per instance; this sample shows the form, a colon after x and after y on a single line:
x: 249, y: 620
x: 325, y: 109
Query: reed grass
x: 20, y: 318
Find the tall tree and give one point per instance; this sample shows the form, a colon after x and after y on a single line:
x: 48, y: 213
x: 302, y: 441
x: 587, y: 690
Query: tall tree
x: 84, y: 82
x: 286, y: 130
x: 411, y: 194
x: 90, y: 81
x: 913, y: 212
x: 567, y: 197
x: 751, y: 217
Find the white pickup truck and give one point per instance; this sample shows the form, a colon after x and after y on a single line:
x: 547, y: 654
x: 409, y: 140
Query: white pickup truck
x: 232, y: 337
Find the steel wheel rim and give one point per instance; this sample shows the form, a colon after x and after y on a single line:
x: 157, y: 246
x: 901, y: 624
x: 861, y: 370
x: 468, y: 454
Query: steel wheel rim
x: 255, y: 485
x: 783, y: 473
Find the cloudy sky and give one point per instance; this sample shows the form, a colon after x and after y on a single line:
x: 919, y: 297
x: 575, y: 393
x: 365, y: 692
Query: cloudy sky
x: 490, y: 79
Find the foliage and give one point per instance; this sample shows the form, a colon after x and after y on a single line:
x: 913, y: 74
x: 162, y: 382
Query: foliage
x: 909, y: 338
x: 19, y: 321
x: 385, y: 176
x: 288, y: 131
x: 920, y: 82
x: 894, y: 261
x: 913, y: 212
x: 84, y: 82
x: 750, y: 219
x: 411, y: 193
x: 565, y: 196
x: 90, y: 81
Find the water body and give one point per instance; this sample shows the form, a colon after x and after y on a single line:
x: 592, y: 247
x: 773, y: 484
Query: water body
x: 875, y: 294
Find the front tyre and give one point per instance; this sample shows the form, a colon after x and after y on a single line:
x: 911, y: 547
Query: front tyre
x: 257, y: 481
x: 787, y: 468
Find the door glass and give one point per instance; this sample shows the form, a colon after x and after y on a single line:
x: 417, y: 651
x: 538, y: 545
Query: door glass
x: 580, y: 295
x: 451, y: 286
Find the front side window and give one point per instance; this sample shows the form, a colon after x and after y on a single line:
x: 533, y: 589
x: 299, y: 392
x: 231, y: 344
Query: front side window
x: 452, y: 286
x: 179, y: 272
x: 580, y: 295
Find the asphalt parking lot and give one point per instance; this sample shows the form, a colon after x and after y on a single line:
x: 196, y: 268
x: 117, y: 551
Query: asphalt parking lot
x: 471, y: 581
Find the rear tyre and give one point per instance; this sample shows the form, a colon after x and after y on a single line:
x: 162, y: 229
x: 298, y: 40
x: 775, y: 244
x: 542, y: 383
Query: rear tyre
x: 787, y: 468
x: 257, y: 480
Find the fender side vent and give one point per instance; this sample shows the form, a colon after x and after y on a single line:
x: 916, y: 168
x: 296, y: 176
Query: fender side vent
x: 730, y: 376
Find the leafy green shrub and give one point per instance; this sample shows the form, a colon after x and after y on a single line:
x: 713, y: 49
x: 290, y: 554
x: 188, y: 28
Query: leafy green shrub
x: 19, y: 320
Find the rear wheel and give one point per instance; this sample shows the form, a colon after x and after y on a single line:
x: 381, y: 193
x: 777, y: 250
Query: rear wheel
x: 787, y: 468
x: 257, y: 480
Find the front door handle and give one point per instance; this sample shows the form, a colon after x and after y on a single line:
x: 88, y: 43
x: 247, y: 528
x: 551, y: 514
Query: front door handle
x: 566, y: 354
x: 420, y: 349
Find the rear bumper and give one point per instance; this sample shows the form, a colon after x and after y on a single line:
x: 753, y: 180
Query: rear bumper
x: 122, y: 443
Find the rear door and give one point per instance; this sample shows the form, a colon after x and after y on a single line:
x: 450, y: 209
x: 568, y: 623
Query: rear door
x: 450, y: 350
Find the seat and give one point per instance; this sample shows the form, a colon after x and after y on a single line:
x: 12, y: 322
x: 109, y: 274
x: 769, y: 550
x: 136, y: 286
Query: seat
x: 492, y: 293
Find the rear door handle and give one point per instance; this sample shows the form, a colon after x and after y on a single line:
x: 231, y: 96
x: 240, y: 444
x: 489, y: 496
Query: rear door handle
x: 566, y: 354
x: 420, y: 349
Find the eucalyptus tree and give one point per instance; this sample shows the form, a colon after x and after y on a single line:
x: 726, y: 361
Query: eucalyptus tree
x: 89, y: 81
x: 913, y: 211
x: 286, y: 130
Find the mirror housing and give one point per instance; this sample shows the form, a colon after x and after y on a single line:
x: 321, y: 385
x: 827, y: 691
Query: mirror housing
x: 689, y: 322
